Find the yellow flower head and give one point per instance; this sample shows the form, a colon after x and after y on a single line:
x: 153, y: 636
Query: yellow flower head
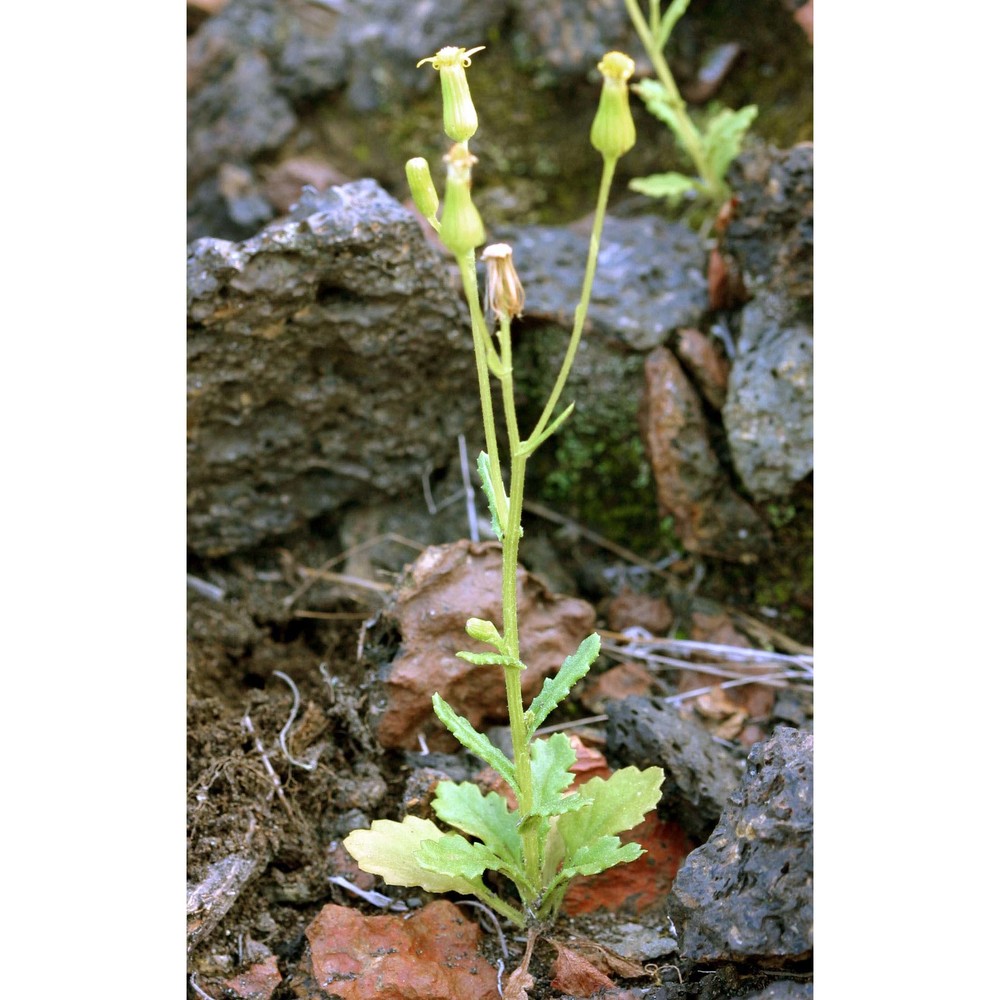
x: 613, y: 131
x: 460, y: 119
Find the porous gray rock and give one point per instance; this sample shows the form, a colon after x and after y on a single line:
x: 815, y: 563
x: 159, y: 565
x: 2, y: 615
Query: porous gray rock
x: 699, y: 774
x: 769, y: 406
x: 747, y: 894
x: 571, y: 36
x: 650, y: 277
x: 768, y: 413
x: 319, y: 353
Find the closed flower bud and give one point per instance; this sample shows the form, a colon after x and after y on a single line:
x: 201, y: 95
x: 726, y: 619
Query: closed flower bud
x: 504, y: 293
x: 484, y: 631
x: 613, y: 131
x: 461, y: 227
x: 460, y: 119
x: 425, y: 196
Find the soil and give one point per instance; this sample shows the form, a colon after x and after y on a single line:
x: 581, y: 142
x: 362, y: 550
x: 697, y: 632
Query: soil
x: 267, y: 828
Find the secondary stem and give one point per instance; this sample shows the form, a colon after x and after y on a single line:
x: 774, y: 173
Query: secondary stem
x: 689, y: 136
x: 581, y: 310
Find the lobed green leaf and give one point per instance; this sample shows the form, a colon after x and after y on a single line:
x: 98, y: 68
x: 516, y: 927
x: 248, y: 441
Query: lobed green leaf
x: 612, y: 806
x: 654, y: 95
x: 473, y: 740
x: 724, y: 136
x: 389, y: 850
x: 671, y: 185
x: 603, y: 853
x: 487, y: 817
x: 452, y: 856
x: 551, y: 761
x: 555, y: 689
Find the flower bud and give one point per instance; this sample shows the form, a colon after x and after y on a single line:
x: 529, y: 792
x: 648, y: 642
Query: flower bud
x: 460, y: 119
x: 484, y: 631
x: 613, y: 131
x: 461, y: 227
x: 504, y: 293
x: 425, y: 196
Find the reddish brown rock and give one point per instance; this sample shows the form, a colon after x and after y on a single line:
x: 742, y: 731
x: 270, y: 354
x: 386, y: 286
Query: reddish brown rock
x: 631, y: 678
x: 447, y: 585
x: 706, y: 362
x: 257, y: 982
x: 709, y: 516
x: 433, y: 955
x: 630, y: 608
x: 283, y: 183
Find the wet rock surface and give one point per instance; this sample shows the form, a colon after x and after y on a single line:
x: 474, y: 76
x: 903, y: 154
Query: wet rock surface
x: 700, y: 774
x: 768, y: 410
x: 747, y: 893
x: 318, y: 354
x: 445, y: 587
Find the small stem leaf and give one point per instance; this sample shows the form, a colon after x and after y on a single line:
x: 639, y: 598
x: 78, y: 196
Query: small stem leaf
x: 388, y: 849
x: 556, y: 688
x: 491, y: 659
x: 551, y: 761
x: 486, y: 817
x: 614, y: 805
x: 672, y: 186
x: 483, y: 465
x: 464, y: 732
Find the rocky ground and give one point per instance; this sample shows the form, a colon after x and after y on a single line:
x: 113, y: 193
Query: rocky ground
x: 334, y: 548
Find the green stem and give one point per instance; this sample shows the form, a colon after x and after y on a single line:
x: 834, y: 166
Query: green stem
x: 501, y: 906
x: 581, y: 310
x: 483, y: 347
x: 689, y: 136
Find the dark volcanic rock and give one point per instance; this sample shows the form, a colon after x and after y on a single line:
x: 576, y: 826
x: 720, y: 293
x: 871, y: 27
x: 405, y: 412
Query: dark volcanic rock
x: 700, y: 774
x: 650, y: 277
x: 319, y: 353
x: 746, y: 895
x: 768, y: 411
x: 571, y: 36
x: 253, y: 66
